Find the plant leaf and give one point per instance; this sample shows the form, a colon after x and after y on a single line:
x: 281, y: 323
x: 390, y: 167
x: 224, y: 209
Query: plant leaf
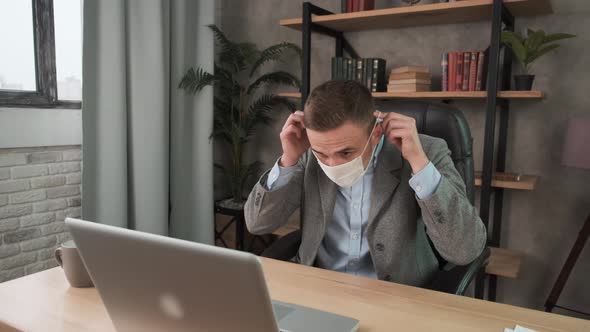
x: 249, y: 51
x: 533, y: 41
x: 515, y: 43
x: 230, y: 54
x: 557, y: 36
x: 543, y: 50
x: 220, y: 167
x: 529, y: 33
x: 195, y: 80
x: 277, y: 77
x: 259, y: 111
x: 508, y: 37
x: 274, y: 53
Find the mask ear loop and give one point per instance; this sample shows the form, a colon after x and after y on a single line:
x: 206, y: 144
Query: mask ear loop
x: 379, y: 118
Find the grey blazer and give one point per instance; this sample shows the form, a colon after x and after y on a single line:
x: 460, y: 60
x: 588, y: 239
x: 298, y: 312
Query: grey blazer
x: 396, y: 231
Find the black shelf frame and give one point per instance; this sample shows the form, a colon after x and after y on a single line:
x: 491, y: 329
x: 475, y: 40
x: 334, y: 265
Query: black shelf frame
x: 499, y: 74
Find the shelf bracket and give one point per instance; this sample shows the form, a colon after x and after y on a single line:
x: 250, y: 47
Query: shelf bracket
x: 308, y: 27
x: 500, y: 15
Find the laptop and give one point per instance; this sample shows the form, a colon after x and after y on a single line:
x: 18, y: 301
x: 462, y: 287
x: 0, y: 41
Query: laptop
x: 155, y: 283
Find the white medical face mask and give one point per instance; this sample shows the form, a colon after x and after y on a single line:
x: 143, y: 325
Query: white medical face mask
x: 347, y: 174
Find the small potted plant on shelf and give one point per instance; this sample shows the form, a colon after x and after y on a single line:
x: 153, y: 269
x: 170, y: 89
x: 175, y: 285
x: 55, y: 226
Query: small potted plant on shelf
x: 528, y: 49
x: 240, y: 102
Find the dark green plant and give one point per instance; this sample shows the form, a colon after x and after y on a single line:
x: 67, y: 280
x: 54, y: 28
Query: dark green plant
x: 534, y: 45
x: 240, y: 105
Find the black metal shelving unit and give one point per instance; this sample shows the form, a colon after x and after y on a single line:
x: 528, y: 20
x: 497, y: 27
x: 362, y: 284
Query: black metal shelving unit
x: 499, y: 74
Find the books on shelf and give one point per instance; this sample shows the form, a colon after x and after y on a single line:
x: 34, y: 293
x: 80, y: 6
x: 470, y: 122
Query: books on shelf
x: 409, y: 75
x: 464, y: 71
x: 370, y: 72
x: 411, y: 69
x: 350, y: 6
x: 445, y: 72
x: 409, y: 79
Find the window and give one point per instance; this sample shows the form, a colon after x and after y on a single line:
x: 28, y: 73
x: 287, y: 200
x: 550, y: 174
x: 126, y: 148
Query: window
x: 17, y: 59
x: 41, y: 63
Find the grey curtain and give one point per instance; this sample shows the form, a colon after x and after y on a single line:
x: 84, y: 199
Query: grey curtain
x: 146, y: 148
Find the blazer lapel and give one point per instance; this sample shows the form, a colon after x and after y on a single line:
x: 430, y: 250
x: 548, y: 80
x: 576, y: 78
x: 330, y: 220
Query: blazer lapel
x: 386, y: 178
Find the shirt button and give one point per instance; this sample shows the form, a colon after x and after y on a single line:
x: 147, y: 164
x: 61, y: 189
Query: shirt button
x: 355, y: 236
x: 418, y: 188
x: 355, y: 205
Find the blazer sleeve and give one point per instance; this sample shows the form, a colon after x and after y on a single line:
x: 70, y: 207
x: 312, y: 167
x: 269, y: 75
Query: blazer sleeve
x: 267, y: 210
x: 452, y: 222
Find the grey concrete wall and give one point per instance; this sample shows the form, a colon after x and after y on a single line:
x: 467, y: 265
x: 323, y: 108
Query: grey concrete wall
x: 39, y: 188
x: 542, y: 224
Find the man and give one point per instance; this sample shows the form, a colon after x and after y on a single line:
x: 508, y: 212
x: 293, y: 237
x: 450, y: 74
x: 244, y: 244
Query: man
x: 370, y: 189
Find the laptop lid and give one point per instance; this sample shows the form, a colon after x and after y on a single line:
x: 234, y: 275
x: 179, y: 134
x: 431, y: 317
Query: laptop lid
x: 155, y: 283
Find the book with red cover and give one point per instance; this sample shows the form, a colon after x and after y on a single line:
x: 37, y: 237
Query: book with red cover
x: 445, y: 72
x: 466, y: 68
x: 452, y: 71
x: 459, y: 72
x: 355, y: 5
x: 349, y: 6
x: 367, y: 5
x: 473, y: 71
x: 479, y: 82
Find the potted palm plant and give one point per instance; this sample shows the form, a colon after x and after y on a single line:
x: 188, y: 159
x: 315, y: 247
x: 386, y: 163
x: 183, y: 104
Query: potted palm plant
x: 240, y: 105
x: 528, y: 49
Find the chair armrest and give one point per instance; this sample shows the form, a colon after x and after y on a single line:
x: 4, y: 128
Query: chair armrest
x: 285, y: 248
x: 455, y: 279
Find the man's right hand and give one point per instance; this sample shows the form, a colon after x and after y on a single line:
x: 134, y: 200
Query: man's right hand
x: 293, y: 140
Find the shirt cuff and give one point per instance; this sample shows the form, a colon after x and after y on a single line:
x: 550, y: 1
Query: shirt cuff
x: 278, y: 175
x: 426, y: 181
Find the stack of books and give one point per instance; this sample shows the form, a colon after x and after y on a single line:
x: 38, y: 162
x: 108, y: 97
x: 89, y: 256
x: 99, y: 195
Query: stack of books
x: 464, y: 71
x: 409, y: 79
x: 370, y: 72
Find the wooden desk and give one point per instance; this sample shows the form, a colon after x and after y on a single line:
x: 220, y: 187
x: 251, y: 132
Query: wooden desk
x: 45, y: 302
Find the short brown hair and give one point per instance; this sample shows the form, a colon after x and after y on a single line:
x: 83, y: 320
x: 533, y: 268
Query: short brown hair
x: 334, y: 102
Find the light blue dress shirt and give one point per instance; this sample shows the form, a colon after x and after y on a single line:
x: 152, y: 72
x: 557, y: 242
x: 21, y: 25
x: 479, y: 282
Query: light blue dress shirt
x: 345, y: 246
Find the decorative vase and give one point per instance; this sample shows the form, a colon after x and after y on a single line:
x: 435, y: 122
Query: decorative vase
x: 524, y: 82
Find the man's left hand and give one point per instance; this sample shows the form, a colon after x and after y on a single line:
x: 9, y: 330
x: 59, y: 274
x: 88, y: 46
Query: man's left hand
x: 401, y: 131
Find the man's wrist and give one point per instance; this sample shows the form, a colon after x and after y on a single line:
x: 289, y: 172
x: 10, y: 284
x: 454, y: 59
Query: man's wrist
x: 418, y: 163
x: 287, y: 162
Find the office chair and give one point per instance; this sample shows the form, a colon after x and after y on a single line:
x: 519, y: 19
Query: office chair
x: 448, y: 123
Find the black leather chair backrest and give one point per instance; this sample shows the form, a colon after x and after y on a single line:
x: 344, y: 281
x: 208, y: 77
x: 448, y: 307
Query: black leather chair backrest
x: 442, y: 121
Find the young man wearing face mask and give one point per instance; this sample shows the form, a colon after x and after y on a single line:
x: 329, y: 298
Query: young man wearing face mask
x: 356, y: 175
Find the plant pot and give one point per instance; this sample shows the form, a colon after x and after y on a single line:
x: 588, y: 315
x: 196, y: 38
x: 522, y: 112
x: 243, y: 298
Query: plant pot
x: 524, y: 82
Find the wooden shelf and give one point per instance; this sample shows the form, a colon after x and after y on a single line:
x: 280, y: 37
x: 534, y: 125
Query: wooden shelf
x: 526, y: 182
x: 422, y: 15
x: 504, y: 263
x: 458, y: 95
x: 444, y: 95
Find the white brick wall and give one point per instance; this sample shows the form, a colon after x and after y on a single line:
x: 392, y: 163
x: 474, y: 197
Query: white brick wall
x: 39, y: 188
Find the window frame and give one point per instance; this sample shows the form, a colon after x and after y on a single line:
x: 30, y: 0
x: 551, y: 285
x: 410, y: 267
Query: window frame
x: 45, y: 66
